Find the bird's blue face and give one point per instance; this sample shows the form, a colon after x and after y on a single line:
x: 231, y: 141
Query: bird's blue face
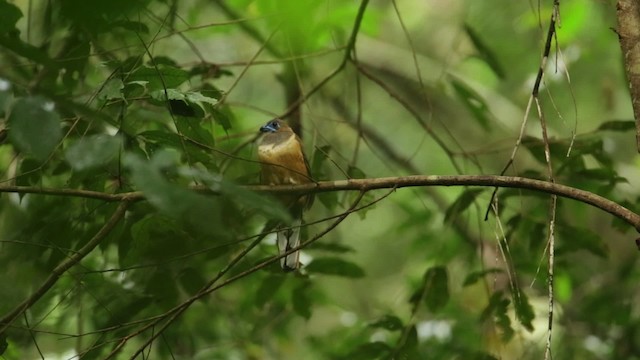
x: 271, y: 126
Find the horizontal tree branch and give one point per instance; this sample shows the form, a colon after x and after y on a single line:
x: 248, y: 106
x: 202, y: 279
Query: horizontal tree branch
x: 598, y: 201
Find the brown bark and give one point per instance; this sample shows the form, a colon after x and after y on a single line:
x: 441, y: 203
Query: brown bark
x: 628, y: 12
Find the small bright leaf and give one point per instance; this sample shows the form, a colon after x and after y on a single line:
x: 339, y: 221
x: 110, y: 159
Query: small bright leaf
x: 34, y: 126
x: 93, y: 151
x: 335, y: 266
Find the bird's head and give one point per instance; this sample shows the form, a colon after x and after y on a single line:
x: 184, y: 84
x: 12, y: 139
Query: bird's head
x: 275, y: 125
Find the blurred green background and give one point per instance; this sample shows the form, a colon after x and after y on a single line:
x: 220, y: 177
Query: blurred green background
x: 430, y: 87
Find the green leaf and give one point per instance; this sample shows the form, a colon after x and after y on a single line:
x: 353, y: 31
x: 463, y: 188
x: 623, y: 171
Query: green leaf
x: 320, y: 156
x: 524, y: 311
x: 192, y: 280
x: 497, y: 308
x: 335, y: 266
x: 223, y: 116
x: 4, y: 345
x: 9, y: 16
x: 355, y: 172
x: 331, y: 247
x: 34, y: 127
x: 485, y: 53
x: 388, y: 322
x: 93, y: 151
x: 461, y: 204
x: 112, y: 89
x: 473, y: 102
x: 267, y: 289
x: 160, y: 78
x: 618, y: 125
x: 475, y: 276
x: 573, y: 238
x: 301, y: 300
x: 409, y: 349
x: 436, y: 288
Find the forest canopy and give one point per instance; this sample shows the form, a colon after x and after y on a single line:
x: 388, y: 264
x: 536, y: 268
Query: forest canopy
x: 474, y: 166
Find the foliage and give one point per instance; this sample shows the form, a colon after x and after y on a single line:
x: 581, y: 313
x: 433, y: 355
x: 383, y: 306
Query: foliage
x: 165, y: 97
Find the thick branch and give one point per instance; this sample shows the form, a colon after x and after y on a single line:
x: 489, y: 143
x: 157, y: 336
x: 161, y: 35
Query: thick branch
x: 65, y: 265
x: 629, y: 35
x: 598, y: 201
x: 467, y: 180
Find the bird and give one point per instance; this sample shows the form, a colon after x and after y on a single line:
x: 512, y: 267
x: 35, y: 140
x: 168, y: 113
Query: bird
x: 283, y: 162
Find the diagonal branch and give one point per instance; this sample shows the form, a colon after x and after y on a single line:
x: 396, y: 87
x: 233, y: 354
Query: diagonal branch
x: 65, y: 265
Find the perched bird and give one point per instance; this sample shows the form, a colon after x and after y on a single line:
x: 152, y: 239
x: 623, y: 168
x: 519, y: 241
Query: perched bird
x: 283, y: 162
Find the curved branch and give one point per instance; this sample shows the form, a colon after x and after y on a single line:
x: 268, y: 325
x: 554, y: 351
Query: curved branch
x: 65, y: 265
x: 598, y: 201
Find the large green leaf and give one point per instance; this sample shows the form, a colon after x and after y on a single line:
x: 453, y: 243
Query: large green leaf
x: 34, y: 126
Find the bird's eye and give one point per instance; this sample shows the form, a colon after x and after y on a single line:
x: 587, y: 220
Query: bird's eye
x: 274, y: 124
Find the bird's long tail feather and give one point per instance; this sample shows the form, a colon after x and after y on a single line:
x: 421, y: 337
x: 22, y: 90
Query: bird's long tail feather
x: 288, y: 239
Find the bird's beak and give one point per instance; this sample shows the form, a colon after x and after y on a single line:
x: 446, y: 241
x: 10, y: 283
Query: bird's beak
x: 268, y: 128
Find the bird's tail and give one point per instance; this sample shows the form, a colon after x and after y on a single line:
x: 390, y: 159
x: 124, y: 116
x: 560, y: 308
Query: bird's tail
x: 287, y: 240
